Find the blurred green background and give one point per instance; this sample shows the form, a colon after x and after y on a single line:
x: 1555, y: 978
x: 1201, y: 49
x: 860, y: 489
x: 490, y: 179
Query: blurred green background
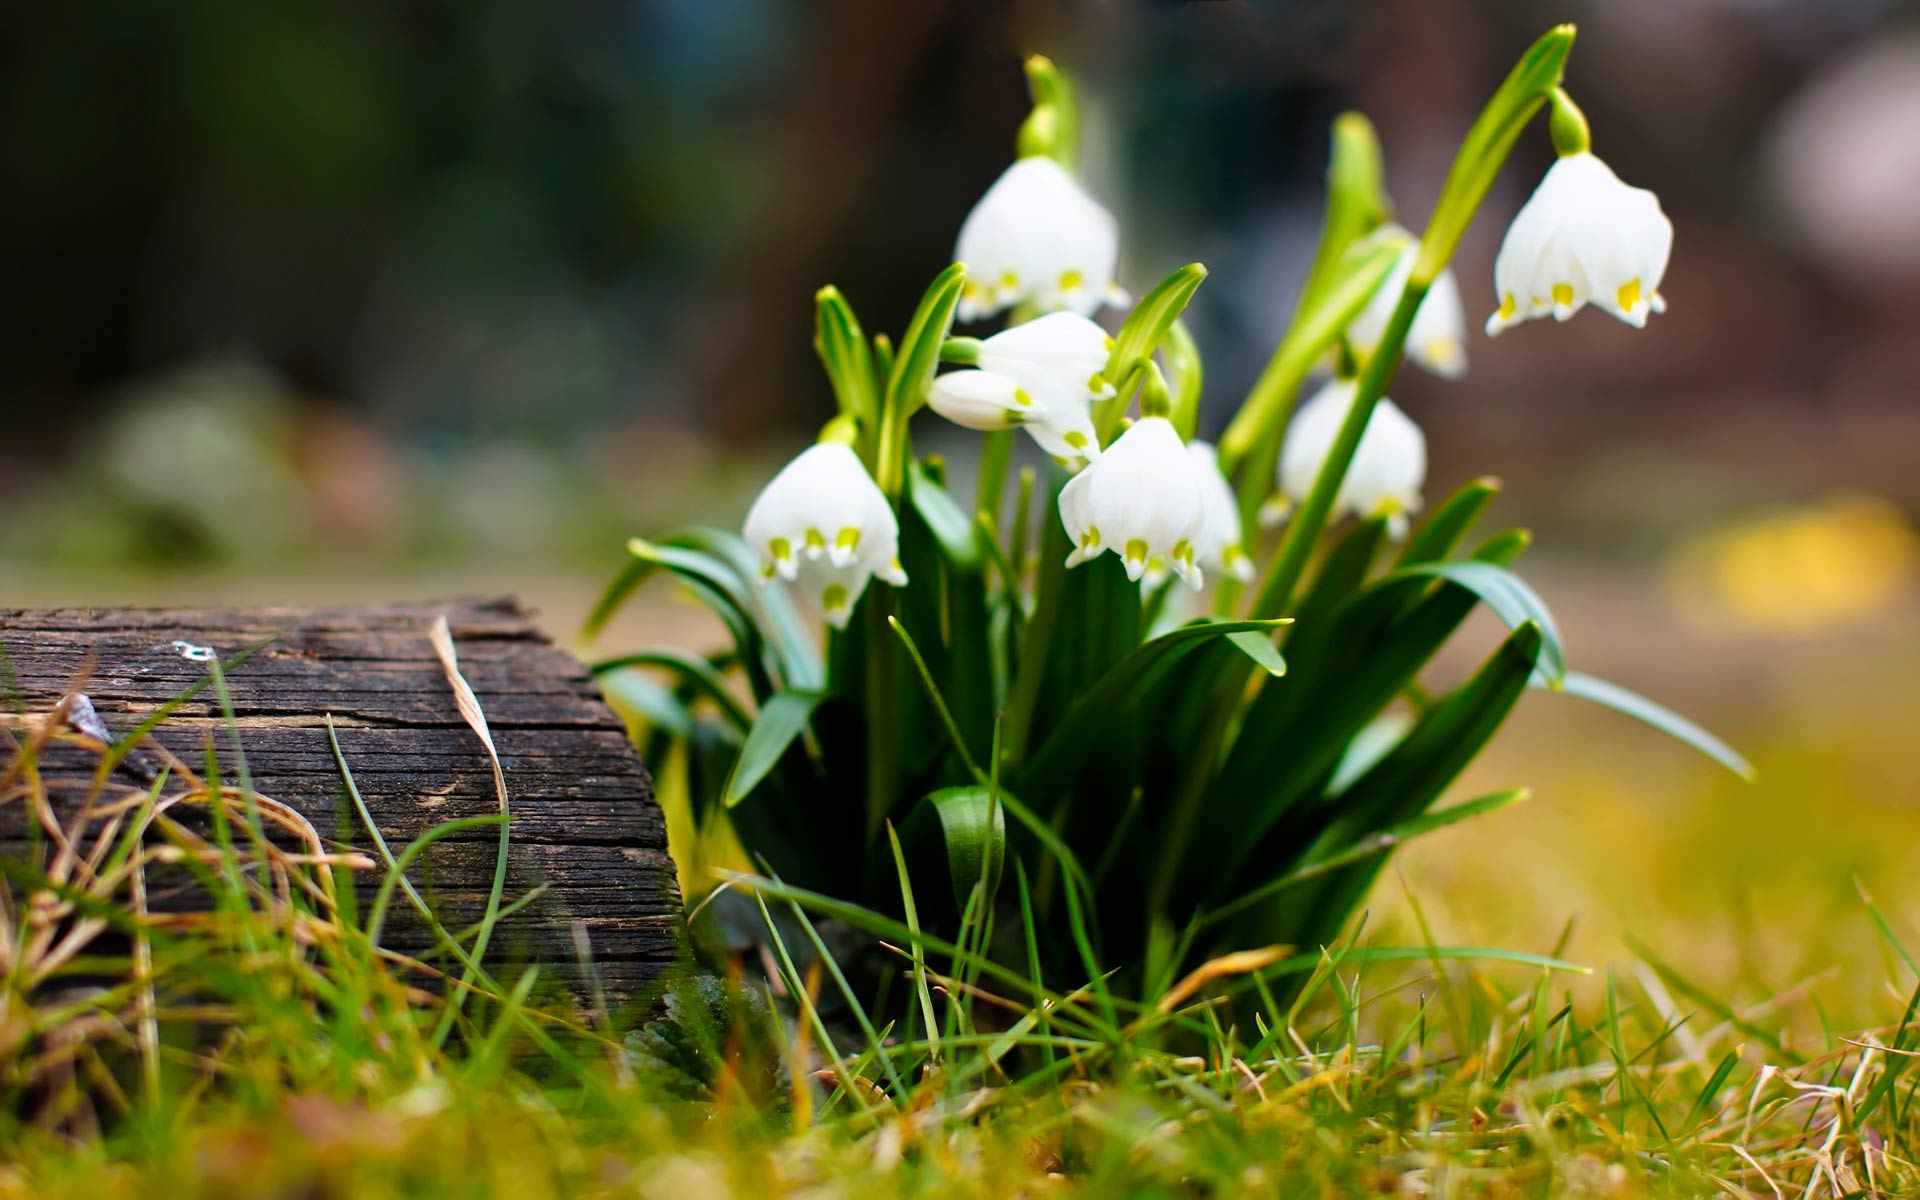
x: 366, y: 300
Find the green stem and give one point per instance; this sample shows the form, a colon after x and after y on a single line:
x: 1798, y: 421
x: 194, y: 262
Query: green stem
x: 882, y: 709
x: 1309, y: 520
x: 1039, y: 635
x: 996, y: 450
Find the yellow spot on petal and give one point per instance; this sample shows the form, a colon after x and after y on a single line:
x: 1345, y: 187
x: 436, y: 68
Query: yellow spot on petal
x: 1109, y: 343
x: 1076, y: 439
x: 1090, y: 540
x: 849, y: 539
x: 1023, y: 398
x: 1071, y: 281
x: 1183, y: 553
x: 816, y: 540
x: 974, y: 291
x: 781, y: 548
x: 1096, y: 383
x: 1562, y: 294
x: 1508, y: 307
x: 1629, y: 295
x: 834, y: 599
x: 1009, y: 281
x: 1136, y: 551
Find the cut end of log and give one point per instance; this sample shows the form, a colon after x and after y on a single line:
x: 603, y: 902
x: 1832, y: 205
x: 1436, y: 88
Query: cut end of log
x: 584, y: 832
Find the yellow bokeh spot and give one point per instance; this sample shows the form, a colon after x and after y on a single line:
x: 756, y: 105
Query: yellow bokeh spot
x: 1562, y: 294
x: 1840, y: 560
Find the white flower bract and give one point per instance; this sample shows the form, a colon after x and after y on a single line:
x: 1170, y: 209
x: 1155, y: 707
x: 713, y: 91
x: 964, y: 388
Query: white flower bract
x: 824, y: 526
x: 1219, y: 545
x: 1584, y: 237
x: 1039, y: 376
x: 1037, y: 237
x: 1142, y: 500
x: 1388, y: 468
x: 1437, y: 340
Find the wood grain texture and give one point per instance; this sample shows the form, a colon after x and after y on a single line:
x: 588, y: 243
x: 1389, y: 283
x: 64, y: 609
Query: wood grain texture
x: 584, y: 821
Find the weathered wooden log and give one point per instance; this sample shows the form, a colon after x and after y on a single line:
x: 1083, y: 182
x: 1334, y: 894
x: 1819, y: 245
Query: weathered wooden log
x: 584, y: 825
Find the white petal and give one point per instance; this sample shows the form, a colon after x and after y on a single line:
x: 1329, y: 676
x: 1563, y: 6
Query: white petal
x: 831, y: 591
x: 822, y: 496
x: 1076, y: 516
x: 1036, y: 235
x: 1389, y: 465
x: 1058, y: 352
x: 1584, y: 237
x: 1438, y: 338
x: 1218, y: 544
x: 984, y: 400
x: 1144, y: 495
x: 1063, y: 427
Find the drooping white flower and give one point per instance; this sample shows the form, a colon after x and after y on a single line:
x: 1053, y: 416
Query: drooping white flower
x: 824, y: 526
x: 1039, y: 375
x: 1583, y: 238
x: 1219, y: 546
x: 1037, y: 236
x: 1437, y: 339
x: 1142, y: 500
x: 1388, y: 467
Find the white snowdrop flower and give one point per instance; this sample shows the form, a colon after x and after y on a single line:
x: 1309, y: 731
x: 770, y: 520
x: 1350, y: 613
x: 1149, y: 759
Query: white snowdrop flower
x: 1388, y: 468
x: 1219, y: 546
x: 1437, y: 339
x: 825, y: 526
x: 1036, y: 236
x: 1040, y: 376
x: 1583, y: 238
x: 1142, y: 500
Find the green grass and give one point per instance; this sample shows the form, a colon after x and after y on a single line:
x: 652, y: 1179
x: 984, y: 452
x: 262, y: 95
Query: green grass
x: 272, y: 1047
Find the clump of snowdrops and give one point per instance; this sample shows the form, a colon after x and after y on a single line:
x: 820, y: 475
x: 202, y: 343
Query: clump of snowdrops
x: 1168, y: 698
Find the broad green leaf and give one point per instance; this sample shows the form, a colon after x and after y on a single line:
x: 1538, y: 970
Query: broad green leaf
x: 1436, y: 536
x: 1149, y: 322
x: 974, y: 824
x: 919, y: 350
x: 630, y: 577
x: 1260, y: 648
x: 780, y: 721
x: 720, y: 589
x: 1632, y: 704
x: 1373, y: 844
x: 790, y: 638
x: 693, y: 670
x: 844, y: 352
x: 1511, y: 600
x: 1401, y: 786
x: 1357, y: 201
x: 1082, y: 731
x: 1345, y: 671
x: 956, y: 533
